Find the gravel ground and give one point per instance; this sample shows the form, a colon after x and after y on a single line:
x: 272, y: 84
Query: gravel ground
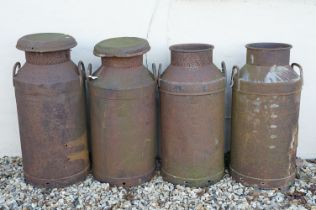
x: 156, y: 194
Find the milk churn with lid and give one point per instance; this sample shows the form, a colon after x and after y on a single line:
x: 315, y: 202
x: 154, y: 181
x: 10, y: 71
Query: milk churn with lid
x: 265, y: 111
x: 51, y: 111
x: 123, y: 113
x: 192, y: 91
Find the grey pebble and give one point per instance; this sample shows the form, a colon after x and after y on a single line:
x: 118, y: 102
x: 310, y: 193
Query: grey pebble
x: 156, y: 194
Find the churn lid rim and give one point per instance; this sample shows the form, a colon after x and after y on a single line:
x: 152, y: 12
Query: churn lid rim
x: 181, y: 47
x: 121, y: 47
x: 46, y: 42
x: 268, y: 46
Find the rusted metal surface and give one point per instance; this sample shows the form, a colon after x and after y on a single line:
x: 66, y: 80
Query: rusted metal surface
x: 266, y: 101
x: 192, y: 117
x: 122, y: 113
x: 51, y: 113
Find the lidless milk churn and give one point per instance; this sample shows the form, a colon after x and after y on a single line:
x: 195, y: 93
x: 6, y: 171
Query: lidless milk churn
x: 192, y: 94
x: 123, y: 113
x: 266, y: 101
x: 51, y: 111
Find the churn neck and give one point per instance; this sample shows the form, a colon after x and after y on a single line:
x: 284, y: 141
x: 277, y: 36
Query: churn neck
x: 123, y: 62
x: 47, y: 58
x: 191, y: 55
x: 268, y: 54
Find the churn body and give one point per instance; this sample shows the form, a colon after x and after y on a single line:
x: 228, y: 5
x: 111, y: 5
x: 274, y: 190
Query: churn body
x: 123, y: 113
x: 51, y: 112
x: 266, y: 101
x: 192, y: 117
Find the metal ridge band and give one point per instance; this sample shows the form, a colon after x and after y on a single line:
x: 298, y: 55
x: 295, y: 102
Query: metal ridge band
x: 193, y: 94
x: 125, y: 94
x: 197, y: 88
x: 253, y: 88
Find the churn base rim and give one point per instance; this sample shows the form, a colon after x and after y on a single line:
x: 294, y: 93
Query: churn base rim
x: 61, y: 182
x: 203, y: 182
x: 281, y: 183
x: 128, y: 181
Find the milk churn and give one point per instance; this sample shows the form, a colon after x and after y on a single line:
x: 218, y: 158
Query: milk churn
x: 123, y: 113
x: 51, y: 111
x: 192, y: 92
x: 266, y: 101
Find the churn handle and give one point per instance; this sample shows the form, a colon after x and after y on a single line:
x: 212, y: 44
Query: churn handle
x: 301, y: 70
x: 81, y: 70
x: 234, y: 72
x: 16, y: 66
x: 89, y: 72
x: 157, y: 73
x: 224, y: 70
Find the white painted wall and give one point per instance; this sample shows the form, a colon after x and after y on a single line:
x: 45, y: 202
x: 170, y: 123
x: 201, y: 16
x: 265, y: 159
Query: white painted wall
x: 228, y: 24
